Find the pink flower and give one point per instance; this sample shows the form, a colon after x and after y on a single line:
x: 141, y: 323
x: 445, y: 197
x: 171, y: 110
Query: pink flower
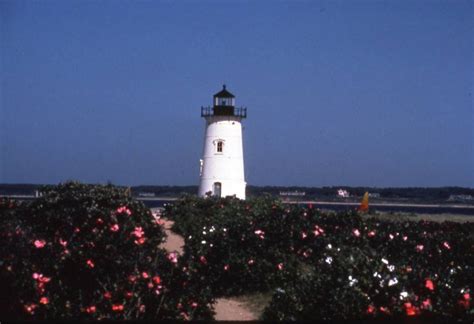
x: 426, y: 303
x: 150, y: 285
x: 420, y: 247
x: 226, y: 267
x: 429, y: 284
x: 202, y: 259
x: 173, y: 257
x: 128, y: 294
x: 44, y: 300
x: 107, y: 295
x: 466, y: 296
x: 446, y: 245
x: 124, y: 209
x: 30, y: 308
x: 114, y: 228
x: 39, y: 244
x: 280, y: 266
x: 62, y: 242
x: 91, y: 309
x: 251, y: 261
x: 194, y: 305
x: 44, y: 280
x: 37, y: 275
x: 405, y: 238
x: 99, y: 221
x: 132, y: 278
x: 157, y: 280
x: 138, y: 232
x: 356, y: 232
x: 142, y: 308
x: 117, y: 307
x: 77, y: 230
x: 145, y: 275
x: 391, y: 236
x: 303, y: 235
x: 90, y: 263
x: 371, y: 234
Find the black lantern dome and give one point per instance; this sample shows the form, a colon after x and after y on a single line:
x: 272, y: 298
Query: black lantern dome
x: 224, y: 105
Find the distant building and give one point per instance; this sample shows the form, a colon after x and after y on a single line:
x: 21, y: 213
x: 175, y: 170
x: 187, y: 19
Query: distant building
x: 461, y: 198
x: 292, y: 193
x: 374, y: 195
x: 342, y: 193
x: 146, y: 194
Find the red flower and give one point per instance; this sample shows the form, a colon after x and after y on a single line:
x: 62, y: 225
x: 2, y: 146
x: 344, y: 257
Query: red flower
x: 117, y: 307
x: 114, y: 228
x: 145, y: 275
x: 370, y: 309
x: 466, y: 296
x: 410, y: 309
x: 128, y: 294
x: 157, y: 280
x: 39, y: 244
x: 429, y: 284
x: 132, y: 278
x: 140, y: 241
x: 107, y: 295
x: 90, y: 263
x: 91, y: 309
x: 194, y: 305
x: 44, y: 300
x: 99, y: 221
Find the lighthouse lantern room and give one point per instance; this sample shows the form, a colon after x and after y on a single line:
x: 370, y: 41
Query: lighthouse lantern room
x: 222, y: 164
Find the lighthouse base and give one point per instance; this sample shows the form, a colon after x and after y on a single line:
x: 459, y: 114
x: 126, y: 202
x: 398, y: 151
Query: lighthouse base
x: 222, y: 188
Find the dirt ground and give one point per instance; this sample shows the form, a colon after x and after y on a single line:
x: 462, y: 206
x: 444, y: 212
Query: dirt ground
x: 227, y: 309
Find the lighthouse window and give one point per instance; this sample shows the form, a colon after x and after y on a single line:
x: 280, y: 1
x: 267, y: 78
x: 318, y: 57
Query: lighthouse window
x: 219, y: 147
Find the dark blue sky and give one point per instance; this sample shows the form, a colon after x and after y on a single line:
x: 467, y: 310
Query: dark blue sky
x: 360, y: 93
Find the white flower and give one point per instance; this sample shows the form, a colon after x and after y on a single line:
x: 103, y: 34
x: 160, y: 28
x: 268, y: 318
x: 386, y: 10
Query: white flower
x: 352, y: 281
x: 190, y: 237
x: 391, y: 268
x: 204, y: 232
x: 224, y: 229
x: 376, y: 274
x: 203, y: 242
x: 385, y: 261
x: 393, y: 281
x: 403, y: 295
x: 329, y: 246
x: 328, y: 260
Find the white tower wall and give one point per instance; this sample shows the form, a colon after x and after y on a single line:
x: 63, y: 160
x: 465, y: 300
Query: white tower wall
x: 226, y: 167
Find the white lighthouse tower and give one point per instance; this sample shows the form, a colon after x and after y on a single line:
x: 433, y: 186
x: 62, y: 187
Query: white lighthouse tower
x: 222, y: 164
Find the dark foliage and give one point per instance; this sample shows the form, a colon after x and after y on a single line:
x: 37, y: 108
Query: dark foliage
x: 90, y: 252
x: 328, y: 266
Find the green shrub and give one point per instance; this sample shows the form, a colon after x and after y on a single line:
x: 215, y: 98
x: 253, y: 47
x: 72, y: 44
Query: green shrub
x: 91, y: 252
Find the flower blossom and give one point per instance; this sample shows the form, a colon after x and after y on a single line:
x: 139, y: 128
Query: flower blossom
x: 123, y: 209
x: 107, y: 295
x: 420, y: 247
x: 280, y: 266
x: 260, y: 233
x: 30, y: 308
x: 90, y: 263
x: 429, y: 284
x: 426, y: 304
x: 318, y: 230
x: 226, y: 267
x: 356, y: 232
x: 370, y: 309
x: 303, y: 235
x: 156, y: 280
x: 371, y: 234
x: 410, y: 309
x: 62, y: 242
x: 203, y: 259
x: 446, y: 245
x: 114, y: 228
x: 173, y: 257
x: 145, y: 275
x: 140, y: 241
x: 91, y: 309
x: 44, y: 300
x: 117, y: 307
x: 251, y: 261
x: 39, y: 244
x: 138, y: 232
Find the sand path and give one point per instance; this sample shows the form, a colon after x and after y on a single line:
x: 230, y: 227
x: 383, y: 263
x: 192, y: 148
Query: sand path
x: 227, y: 309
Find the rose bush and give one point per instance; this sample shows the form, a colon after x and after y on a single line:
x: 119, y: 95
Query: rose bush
x: 91, y: 252
x: 326, y: 265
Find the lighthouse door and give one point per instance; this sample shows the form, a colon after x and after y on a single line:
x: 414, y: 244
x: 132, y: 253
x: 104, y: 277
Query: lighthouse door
x: 217, y: 189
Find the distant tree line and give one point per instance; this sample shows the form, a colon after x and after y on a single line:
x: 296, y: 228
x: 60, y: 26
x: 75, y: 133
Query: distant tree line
x: 411, y: 193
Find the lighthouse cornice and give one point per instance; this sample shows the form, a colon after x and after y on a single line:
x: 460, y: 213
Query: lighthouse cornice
x: 240, y: 112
